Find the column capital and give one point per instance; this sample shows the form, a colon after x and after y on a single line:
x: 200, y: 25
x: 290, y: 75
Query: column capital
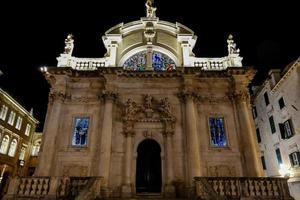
x: 239, y: 96
x: 168, y: 133
x: 56, y: 95
x: 187, y: 95
x: 109, y: 95
x: 129, y: 133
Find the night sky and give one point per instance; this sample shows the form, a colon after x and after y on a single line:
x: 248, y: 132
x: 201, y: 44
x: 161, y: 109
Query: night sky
x: 32, y: 36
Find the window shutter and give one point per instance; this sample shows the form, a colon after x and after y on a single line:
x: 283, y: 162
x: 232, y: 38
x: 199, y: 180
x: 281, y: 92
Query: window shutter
x: 282, y: 131
x: 298, y: 156
x: 291, y: 159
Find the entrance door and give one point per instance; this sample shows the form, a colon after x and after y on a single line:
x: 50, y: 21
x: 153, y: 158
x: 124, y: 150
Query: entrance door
x: 148, y: 167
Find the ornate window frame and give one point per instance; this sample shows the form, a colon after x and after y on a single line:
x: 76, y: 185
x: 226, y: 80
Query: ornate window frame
x: 73, y: 131
x: 211, y: 145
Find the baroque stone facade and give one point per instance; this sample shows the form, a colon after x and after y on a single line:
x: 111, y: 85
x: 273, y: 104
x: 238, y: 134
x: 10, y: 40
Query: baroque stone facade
x: 148, y: 117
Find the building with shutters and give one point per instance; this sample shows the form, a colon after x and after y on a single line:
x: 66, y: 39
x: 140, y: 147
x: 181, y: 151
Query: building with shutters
x: 276, y: 114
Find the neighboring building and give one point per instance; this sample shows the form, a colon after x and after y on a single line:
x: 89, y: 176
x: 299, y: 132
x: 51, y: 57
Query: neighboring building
x: 147, y: 119
x: 36, y: 145
x: 276, y: 113
x: 17, y: 126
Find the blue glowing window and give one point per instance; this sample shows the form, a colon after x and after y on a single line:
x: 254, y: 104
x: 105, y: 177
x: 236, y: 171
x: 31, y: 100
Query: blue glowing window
x: 160, y: 62
x: 217, y: 132
x: 80, y: 133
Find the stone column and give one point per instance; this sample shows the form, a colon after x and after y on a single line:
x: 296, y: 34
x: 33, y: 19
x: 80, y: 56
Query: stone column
x: 127, y: 185
x: 193, y: 148
x: 106, y: 136
x: 169, y: 187
x: 53, y: 119
x: 247, y: 133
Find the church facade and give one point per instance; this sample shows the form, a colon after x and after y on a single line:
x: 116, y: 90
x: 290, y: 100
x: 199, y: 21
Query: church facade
x: 150, y: 116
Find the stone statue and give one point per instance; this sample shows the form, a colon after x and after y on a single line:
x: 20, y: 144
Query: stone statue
x: 69, y: 44
x: 232, y: 46
x: 165, y: 107
x: 150, y: 9
x: 131, y: 109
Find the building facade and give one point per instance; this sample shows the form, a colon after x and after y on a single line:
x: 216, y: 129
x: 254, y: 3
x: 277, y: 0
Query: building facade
x: 277, y: 119
x: 149, y: 118
x: 16, y: 131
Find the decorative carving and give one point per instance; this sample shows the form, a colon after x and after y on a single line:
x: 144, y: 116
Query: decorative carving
x: 221, y: 171
x: 75, y: 170
x: 232, y: 50
x: 130, y: 110
x: 149, y: 33
x: 109, y: 95
x: 147, y: 109
x: 69, y: 45
x: 56, y: 95
x: 148, y: 134
x: 151, y: 11
x: 186, y: 94
x: 241, y: 96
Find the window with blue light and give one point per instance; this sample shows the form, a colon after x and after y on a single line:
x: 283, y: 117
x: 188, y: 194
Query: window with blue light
x: 217, y: 132
x: 80, y: 132
x: 160, y: 62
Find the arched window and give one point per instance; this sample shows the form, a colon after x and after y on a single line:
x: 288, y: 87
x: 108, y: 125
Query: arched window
x: 12, y: 148
x: 22, y: 153
x: 4, y: 144
x: 160, y: 62
x: 36, y: 148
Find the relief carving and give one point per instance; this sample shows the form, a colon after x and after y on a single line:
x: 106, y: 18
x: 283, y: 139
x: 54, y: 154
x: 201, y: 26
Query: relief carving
x: 153, y: 111
x: 75, y: 170
x: 221, y: 171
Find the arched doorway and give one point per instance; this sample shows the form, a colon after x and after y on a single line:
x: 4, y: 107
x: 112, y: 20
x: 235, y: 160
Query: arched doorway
x: 148, y: 167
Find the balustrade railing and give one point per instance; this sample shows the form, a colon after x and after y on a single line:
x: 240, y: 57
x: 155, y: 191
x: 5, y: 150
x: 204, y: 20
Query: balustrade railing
x: 237, y: 187
x: 33, y: 186
x: 54, y: 187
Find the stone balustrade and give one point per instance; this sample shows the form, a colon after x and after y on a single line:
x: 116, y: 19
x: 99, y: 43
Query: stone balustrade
x: 241, y: 187
x: 54, y: 187
x: 86, y: 64
x: 208, y: 64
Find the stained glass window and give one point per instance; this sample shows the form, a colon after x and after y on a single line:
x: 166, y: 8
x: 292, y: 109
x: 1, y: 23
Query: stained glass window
x: 217, y: 132
x: 160, y: 62
x: 80, y: 131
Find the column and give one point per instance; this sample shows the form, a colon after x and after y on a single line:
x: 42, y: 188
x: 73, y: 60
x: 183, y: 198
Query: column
x: 169, y: 187
x: 193, y: 148
x: 52, y: 123
x: 106, y: 136
x: 247, y: 132
x: 126, y: 187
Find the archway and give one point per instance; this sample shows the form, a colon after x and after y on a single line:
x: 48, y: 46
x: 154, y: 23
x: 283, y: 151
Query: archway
x: 148, y: 167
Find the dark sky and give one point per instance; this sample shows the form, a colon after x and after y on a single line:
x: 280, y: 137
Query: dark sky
x: 32, y: 35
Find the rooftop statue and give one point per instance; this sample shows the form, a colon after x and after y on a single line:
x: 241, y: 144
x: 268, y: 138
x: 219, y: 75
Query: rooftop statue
x: 150, y: 9
x: 232, y: 46
x: 69, y: 44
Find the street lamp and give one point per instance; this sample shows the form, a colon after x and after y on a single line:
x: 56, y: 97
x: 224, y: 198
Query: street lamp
x: 21, y: 165
x: 284, y: 171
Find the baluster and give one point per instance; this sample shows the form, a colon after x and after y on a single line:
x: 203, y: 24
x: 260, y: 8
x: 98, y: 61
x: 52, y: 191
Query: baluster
x: 34, y: 186
x: 21, y: 187
x: 28, y: 186
x: 251, y: 188
x: 264, y: 187
x: 40, y: 186
x: 45, y: 187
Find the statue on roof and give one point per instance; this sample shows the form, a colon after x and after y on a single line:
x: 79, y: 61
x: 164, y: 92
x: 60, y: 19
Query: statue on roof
x: 69, y: 44
x: 232, y: 46
x: 150, y: 9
